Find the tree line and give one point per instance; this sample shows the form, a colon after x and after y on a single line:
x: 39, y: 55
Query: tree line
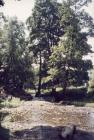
x: 52, y: 54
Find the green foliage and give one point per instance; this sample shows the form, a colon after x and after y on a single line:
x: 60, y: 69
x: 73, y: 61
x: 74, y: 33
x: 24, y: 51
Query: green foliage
x: 16, y: 60
x: 44, y: 25
x: 57, y: 44
x: 67, y: 58
x: 91, y: 83
x: 1, y: 2
x: 45, y: 30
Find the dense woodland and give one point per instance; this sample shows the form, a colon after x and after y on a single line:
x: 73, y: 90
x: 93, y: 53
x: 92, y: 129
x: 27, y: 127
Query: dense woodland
x: 51, y: 55
x: 46, y: 55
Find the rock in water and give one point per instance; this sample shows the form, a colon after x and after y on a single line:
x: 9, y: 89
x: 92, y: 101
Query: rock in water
x: 68, y: 132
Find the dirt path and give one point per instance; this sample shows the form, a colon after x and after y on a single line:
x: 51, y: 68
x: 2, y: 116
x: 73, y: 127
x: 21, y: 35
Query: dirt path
x: 35, y: 113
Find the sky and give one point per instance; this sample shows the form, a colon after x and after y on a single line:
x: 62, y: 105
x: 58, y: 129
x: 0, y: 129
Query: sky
x: 22, y: 9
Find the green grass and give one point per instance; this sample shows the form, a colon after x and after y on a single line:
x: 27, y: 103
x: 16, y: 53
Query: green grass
x: 89, y: 104
x: 80, y: 103
x: 12, y: 103
x: 59, y: 89
x: 30, y: 91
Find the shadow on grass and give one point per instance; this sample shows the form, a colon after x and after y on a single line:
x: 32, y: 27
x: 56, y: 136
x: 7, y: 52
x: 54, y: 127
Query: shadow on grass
x: 21, y: 94
x: 51, y: 133
x: 4, y: 133
x: 77, y: 97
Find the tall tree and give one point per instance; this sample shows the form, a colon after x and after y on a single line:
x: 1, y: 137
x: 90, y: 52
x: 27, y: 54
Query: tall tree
x: 18, y: 63
x: 68, y: 57
x: 45, y: 30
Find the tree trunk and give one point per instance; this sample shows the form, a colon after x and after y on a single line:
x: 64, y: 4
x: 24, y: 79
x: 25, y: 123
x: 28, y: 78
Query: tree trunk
x: 40, y: 77
x: 65, y: 82
x: 65, y: 87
